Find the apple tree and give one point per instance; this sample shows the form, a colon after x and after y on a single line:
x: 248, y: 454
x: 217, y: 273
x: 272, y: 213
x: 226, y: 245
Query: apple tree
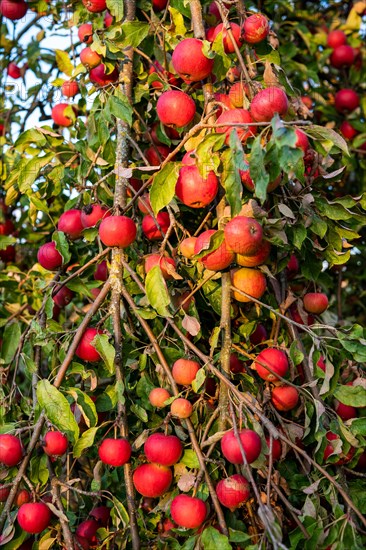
x: 182, y: 227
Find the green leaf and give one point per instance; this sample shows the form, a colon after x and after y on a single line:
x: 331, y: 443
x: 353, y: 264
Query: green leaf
x: 62, y: 245
x: 233, y: 161
x: 86, y: 440
x: 358, y: 426
x: 177, y: 21
x: 327, y: 134
x: 199, y: 380
x: 63, y: 62
x: 211, y: 539
x: 163, y: 187
x: 33, y: 137
x: 295, y: 354
x: 122, y: 512
x: 38, y: 470
x: 190, y: 459
x: 86, y: 406
x: 107, y: 400
x: 157, y: 292
x: 29, y: 171
x: 355, y: 396
x: 121, y: 108
x: 134, y: 33
x: 139, y: 412
x: 6, y: 241
x: 116, y: 8
x: 216, y: 239
x: 299, y: 235
x: 11, y: 337
x: 257, y: 170
x: 57, y: 409
x: 106, y: 351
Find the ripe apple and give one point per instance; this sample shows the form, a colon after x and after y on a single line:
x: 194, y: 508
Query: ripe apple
x: 255, y: 28
x: 166, y: 264
x: 22, y: 497
x: 70, y: 223
x: 276, y: 448
x: 241, y: 116
x: 336, y: 38
x: 249, y: 183
x: 315, y: 302
x: 85, y: 350
x: 267, y: 103
x: 11, y: 450
x: 217, y: 260
x: 258, y: 336
x: 348, y: 131
x: 4, y: 493
x: 158, y: 396
x: 87, y: 530
x: 284, y: 398
x: 346, y: 99
x: 108, y: 19
x: 8, y: 255
x: 302, y: 140
x: 14, y: 71
x: 7, y: 227
x: 85, y: 33
x: 34, y: 517
x: 321, y: 363
x: 184, y: 52
x: 152, y: 480
x: 250, y: 281
x: 342, y: 56
x: 115, y: 452
x: 233, y: 491
x: 92, y: 214
x: 243, y: 235
x: 306, y: 320
x: 89, y: 58
x: 293, y: 266
x: 189, y: 512
x: 195, y: 191
x: 186, y: 247
x: 55, y: 444
x: 251, y: 443
x: 273, y: 358
x: 236, y: 365
x: 49, y: 257
x: 237, y: 93
x: 95, y: 6
x: 163, y: 449
x: 228, y: 44
x: 184, y: 371
x: 258, y: 258
x: 101, y: 272
x: 214, y: 10
x: 101, y: 514
x: 150, y: 229
x: 158, y: 69
x: 171, y: 133
x: 144, y: 204
x: 181, y: 408
x: 155, y: 154
x: 99, y: 76
x: 70, y: 88
x: 13, y: 10
x: 168, y: 525
x: 345, y: 412
x: 59, y: 117
x: 117, y: 231
x: 159, y: 5
x: 176, y: 108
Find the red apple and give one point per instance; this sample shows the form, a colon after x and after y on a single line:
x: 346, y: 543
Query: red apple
x: 14, y: 71
x: 214, y: 10
x: 228, y: 44
x: 13, y: 10
x: 336, y: 38
x: 187, y: 246
x: 293, y: 266
x: 175, y: 107
x: 117, y: 231
x: 99, y: 76
x: 101, y: 272
x: 195, y: 191
x: 189, y: 512
x: 250, y: 441
x: 59, y: 117
x: 49, y: 257
x: 158, y: 396
x: 85, y: 350
x: 159, y: 5
x: 152, y: 480
x: 243, y: 235
x: 4, y: 493
x: 184, y: 371
x: 92, y: 214
x: 85, y: 33
x: 95, y: 6
x: 346, y: 99
x: 89, y: 58
x: 315, y: 302
x: 34, y: 517
x: 181, y: 408
x: 345, y: 412
x: 276, y: 448
x: 239, y: 116
x: 348, y: 131
x: 237, y: 93
x: 101, y: 514
x: 7, y: 227
x: 55, y: 444
x: 255, y: 28
x: 342, y: 56
x: 321, y: 363
x: 87, y: 530
x: 258, y: 258
x: 155, y: 154
x: 11, y: 450
x: 284, y: 398
x: 236, y: 365
x: 70, y: 88
x: 164, y: 75
x: 163, y: 449
x: 144, y: 204
x: 302, y: 140
x: 220, y: 258
x: 249, y: 183
x: 151, y: 230
x: 258, y: 336
x: 250, y: 281
x: 22, y: 497
x: 233, y: 491
x: 108, y: 19
x: 273, y: 358
x: 166, y: 264
x: 115, y: 452
x: 70, y: 223
x: 267, y: 103
x: 184, y: 52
